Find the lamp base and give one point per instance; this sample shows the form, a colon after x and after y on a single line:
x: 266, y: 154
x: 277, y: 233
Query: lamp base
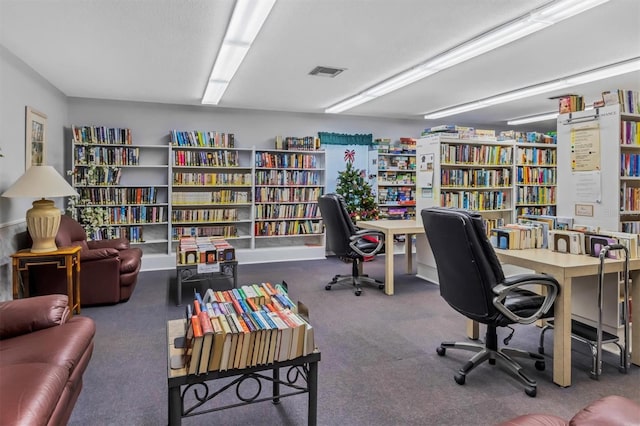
x: 43, y: 221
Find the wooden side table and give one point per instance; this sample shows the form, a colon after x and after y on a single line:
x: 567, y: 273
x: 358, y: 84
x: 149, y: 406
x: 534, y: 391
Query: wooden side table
x: 67, y: 258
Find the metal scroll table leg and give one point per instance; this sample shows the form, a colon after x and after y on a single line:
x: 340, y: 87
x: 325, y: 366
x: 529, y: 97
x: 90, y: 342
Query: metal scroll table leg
x: 313, y: 393
x: 276, y: 386
x: 175, y: 404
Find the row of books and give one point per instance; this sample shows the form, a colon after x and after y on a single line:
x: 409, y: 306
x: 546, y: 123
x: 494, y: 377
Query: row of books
x: 221, y: 158
x: 202, y: 139
x: 528, y: 175
x: 286, y: 160
x: 539, y: 226
x: 284, y: 211
x: 397, y: 162
x: 209, y: 197
x: 288, y: 177
x: 590, y: 242
x: 629, y: 164
x: 397, y: 195
x: 535, y: 155
x: 110, y: 156
x: 101, y: 134
x: 475, y: 178
x: 241, y: 179
x: 245, y: 327
x: 476, y: 154
x: 204, y: 215
x: 139, y: 195
x: 287, y: 195
x: 101, y: 175
x: 528, y: 137
x: 293, y: 143
x: 629, y: 198
x: 404, y: 146
x: 475, y: 200
x: 288, y: 227
x: 536, y: 210
x: 536, y: 195
x: 226, y: 231
x: 396, y: 178
x: 132, y: 233
x: 133, y: 214
x: 207, y: 250
x: 570, y: 103
x: 629, y: 100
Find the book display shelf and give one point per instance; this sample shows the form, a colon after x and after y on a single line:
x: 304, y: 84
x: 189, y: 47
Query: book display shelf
x: 601, y: 190
x: 287, y: 186
x: 535, y: 174
x: 123, y: 187
x: 211, y: 185
x: 396, y: 178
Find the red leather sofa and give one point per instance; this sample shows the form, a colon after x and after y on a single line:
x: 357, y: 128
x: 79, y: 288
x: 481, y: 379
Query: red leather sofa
x: 43, y: 355
x: 108, y: 268
x: 611, y: 410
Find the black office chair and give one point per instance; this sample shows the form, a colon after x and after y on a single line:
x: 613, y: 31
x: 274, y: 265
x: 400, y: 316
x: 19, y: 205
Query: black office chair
x: 347, y: 242
x: 472, y: 282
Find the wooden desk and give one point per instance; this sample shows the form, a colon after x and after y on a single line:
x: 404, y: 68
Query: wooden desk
x: 67, y: 258
x: 391, y: 228
x: 564, y: 267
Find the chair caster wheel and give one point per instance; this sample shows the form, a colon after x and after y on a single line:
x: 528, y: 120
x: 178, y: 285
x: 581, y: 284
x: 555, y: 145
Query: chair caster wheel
x: 380, y: 286
x: 540, y: 365
x: 460, y: 378
x: 441, y: 350
x: 358, y: 292
x: 531, y: 392
x: 327, y: 287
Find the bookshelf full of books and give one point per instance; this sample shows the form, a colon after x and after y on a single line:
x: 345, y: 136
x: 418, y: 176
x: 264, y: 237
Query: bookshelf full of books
x: 601, y: 190
x: 464, y: 168
x: 396, y: 178
x: 288, y: 183
x: 122, y: 185
x: 535, y: 173
x: 211, y: 187
x: 250, y: 326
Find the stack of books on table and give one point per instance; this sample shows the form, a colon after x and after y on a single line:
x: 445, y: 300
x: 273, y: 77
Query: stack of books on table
x: 250, y: 326
x: 193, y: 250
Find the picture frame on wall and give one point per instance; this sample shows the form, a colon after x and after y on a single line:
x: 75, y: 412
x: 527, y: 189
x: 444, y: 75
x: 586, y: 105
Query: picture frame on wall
x: 36, y: 137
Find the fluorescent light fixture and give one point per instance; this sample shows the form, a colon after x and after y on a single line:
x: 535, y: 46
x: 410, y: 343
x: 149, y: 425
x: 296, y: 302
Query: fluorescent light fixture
x: 533, y: 118
x: 574, y: 80
x: 246, y: 21
x: 534, y: 21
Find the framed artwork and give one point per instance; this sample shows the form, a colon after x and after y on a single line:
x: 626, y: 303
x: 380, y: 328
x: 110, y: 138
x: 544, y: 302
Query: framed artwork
x: 36, y: 134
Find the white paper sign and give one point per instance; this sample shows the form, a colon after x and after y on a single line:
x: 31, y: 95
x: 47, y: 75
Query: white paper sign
x: 204, y: 268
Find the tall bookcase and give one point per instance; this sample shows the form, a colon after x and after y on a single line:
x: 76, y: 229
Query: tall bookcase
x: 396, y: 179
x: 211, y: 187
x: 123, y: 187
x: 602, y: 190
x: 535, y: 177
x: 287, y: 186
x: 474, y: 174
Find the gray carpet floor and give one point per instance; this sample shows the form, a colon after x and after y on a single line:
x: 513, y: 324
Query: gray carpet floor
x: 379, y: 363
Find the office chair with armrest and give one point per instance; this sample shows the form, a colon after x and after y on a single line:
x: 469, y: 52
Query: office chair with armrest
x: 472, y: 282
x: 347, y: 242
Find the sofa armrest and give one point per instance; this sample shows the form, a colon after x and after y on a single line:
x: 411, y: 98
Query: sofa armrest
x: 22, y: 316
x: 115, y: 243
x: 98, y: 254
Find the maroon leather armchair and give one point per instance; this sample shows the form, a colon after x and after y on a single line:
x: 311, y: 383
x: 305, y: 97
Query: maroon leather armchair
x: 108, y: 268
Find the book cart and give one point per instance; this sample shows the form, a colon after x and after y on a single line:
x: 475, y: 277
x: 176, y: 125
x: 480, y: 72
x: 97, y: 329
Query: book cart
x: 196, y: 272
x: 191, y: 395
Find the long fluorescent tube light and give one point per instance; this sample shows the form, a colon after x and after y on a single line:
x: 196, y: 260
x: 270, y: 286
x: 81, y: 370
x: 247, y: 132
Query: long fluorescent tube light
x: 613, y: 70
x: 534, y: 21
x: 533, y: 119
x: 246, y: 20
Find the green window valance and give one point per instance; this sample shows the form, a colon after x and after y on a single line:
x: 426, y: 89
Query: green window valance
x: 327, y: 138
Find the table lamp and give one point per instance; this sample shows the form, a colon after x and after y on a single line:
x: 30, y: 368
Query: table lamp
x: 43, y: 219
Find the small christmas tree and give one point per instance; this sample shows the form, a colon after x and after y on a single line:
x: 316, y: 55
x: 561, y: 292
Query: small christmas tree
x: 357, y: 192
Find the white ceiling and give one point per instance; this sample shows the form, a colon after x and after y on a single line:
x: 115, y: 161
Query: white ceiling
x: 163, y: 50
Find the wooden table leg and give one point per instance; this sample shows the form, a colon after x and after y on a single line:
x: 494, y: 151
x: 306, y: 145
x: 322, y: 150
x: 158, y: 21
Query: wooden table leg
x: 562, y: 334
x: 16, y: 279
x: 70, y: 288
x: 473, y: 329
x: 408, y: 252
x: 388, y: 264
x: 77, y: 283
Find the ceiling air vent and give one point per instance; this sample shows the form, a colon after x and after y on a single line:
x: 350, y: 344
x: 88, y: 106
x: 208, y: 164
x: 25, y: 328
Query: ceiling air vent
x: 326, y: 71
